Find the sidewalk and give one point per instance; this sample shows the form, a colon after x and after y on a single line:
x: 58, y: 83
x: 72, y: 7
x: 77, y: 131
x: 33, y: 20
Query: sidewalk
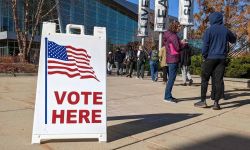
x: 138, y: 119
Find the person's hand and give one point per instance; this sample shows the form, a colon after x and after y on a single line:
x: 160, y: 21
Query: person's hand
x: 203, y: 58
x: 184, y: 41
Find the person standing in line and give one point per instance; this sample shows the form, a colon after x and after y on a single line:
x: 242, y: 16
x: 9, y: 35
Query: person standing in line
x: 185, y: 64
x: 223, y: 85
x: 214, y: 52
x: 110, y: 61
x: 141, y: 60
x: 173, y: 47
x: 118, y: 61
x: 163, y: 63
x: 123, y: 66
x: 153, y: 62
x: 130, y: 59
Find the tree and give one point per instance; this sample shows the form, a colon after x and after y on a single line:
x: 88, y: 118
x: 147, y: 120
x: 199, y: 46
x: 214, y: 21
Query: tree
x: 27, y: 26
x: 236, y: 15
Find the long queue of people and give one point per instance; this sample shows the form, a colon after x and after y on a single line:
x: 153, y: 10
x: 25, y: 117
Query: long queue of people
x: 127, y: 61
x: 176, y: 53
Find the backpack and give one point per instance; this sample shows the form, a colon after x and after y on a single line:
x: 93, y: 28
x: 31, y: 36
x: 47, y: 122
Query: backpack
x: 154, y: 55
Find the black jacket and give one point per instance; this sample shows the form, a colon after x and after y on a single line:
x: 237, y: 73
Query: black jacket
x: 186, y: 56
x: 142, y: 57
x: 131, y: 55
x: 119, y: 57
x: 110, y: 58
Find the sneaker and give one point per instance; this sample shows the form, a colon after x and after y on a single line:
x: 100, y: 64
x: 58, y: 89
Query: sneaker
x: 190, y: 82
x: 200, y: 104
x: 169, y: 101
x: 129, y: 76
x: 216, y: 106
x: 172, y: 100
x: 184, y: 84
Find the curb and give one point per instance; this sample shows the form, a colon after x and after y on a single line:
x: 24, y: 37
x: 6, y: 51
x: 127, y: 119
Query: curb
x: 17, y: 74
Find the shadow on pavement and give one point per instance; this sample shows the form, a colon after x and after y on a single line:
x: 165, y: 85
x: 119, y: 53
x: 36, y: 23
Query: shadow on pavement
x: 223, y: 103
x: 181, y: 84
x: 68, y: 140
x: 223, y: 142
x: 233, y: 104
x: 142, y: 123
x: 229, y: 94
x: 237, y: 90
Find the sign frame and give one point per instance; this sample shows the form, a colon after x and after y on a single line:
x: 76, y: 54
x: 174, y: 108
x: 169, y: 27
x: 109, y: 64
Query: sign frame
x: 43, y: 129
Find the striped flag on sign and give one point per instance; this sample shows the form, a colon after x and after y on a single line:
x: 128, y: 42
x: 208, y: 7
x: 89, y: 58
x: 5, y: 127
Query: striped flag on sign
x: 70, y: 61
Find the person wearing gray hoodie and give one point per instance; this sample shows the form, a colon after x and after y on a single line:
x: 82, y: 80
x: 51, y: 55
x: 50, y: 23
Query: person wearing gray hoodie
x: 214, y: 53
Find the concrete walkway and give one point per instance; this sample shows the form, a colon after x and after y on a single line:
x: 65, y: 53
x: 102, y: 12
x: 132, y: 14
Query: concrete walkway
x: 138, y: 119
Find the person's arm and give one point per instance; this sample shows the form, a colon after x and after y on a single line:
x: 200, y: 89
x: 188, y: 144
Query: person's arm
x: 150, y: 54
x: 146, y: 55
x: 231, y: 37
x: 164, y: 41
x: 160, y: 53
x: 182, y: 43
x: 205, y: 47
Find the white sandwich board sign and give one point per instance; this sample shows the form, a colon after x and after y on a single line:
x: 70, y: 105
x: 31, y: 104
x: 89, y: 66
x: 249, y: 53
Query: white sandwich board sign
x: 71, y: 85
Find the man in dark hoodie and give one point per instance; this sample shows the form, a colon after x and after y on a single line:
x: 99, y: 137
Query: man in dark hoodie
x: 214, y: 52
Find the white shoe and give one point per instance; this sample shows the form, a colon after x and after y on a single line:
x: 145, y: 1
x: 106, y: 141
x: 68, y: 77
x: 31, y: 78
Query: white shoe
x: 170, y: 101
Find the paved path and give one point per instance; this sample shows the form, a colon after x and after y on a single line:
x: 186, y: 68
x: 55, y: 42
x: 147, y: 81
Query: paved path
x: 138, y: 119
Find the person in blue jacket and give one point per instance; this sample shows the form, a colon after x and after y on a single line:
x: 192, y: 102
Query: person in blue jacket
x: 214, y: 53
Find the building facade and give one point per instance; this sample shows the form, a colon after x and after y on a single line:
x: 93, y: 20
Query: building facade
x: 118, y: 16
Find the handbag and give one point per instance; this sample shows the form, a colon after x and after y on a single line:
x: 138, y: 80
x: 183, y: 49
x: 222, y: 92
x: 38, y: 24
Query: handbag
x: 172, y: 49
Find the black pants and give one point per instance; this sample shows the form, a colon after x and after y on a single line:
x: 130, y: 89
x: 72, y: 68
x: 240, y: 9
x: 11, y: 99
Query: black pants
x: 211, y: 67
x: 213, y: 89
x: 130, y: 68
x: 140, y: 69
x: 165, y: 73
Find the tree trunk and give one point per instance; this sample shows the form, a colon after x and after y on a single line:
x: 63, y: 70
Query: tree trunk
x: 37, y: 20
x: 17, y: 28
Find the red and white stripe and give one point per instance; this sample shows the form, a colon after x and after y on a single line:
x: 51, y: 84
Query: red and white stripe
x: 78, y: 64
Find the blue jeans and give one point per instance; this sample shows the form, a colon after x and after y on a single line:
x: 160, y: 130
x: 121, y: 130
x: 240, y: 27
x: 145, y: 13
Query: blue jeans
x: 154, y: 70
x: 172, y: 68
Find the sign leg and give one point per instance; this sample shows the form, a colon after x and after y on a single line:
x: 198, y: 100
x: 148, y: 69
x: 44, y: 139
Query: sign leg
x: 36, y: 139
x: 103, y: 138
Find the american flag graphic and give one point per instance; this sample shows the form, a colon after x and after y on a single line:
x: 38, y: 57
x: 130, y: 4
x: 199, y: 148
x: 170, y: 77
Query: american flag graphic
x: 70, y: 61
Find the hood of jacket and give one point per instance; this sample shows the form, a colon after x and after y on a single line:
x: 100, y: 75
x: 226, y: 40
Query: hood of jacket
x: 216, y: 18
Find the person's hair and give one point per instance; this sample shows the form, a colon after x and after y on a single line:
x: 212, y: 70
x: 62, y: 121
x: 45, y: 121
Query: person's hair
x: 173, y: 27
x: 155, y: 47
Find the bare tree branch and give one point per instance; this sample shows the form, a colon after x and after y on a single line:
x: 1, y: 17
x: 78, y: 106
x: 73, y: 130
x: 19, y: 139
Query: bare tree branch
x: 50, y: 11
x: 37, y: 18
